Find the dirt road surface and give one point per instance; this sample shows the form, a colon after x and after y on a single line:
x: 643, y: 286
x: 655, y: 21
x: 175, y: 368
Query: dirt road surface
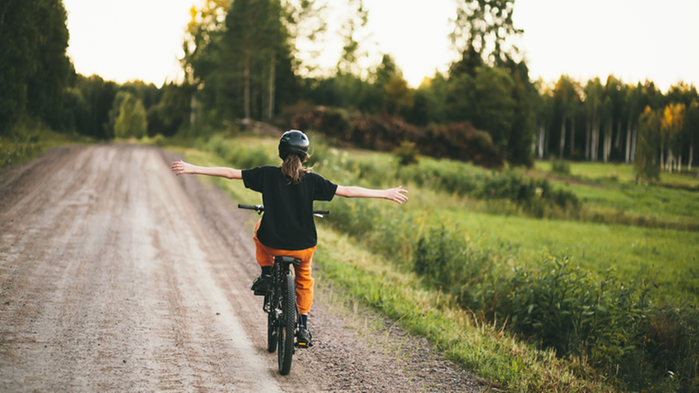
x: 115, y: 275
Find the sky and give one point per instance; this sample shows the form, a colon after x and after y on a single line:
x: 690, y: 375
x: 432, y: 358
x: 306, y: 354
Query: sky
x: 634, y: 40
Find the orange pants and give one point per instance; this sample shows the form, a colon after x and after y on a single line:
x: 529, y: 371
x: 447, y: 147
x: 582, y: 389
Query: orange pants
x: 303, y: 279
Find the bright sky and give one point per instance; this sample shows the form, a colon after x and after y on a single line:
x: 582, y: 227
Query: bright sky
x: 635, y: 40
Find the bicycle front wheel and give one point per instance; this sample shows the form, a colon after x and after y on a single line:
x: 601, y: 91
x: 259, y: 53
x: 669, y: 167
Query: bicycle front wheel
x: 287, y: 324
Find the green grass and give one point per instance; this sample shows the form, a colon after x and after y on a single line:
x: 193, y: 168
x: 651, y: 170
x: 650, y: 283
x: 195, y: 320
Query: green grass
x: 622, y: 172
x: 610, y: 194
x: 30, y: 140
x: 652, y: 202
x: 488, y: 351
x: 669, y: 255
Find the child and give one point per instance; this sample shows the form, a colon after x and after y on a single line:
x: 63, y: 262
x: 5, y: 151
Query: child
x: 287, y: 226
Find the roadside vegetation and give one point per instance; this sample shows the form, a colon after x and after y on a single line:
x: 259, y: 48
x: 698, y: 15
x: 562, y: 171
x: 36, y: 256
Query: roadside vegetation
x: 531, y: 303
x: 31, y: 139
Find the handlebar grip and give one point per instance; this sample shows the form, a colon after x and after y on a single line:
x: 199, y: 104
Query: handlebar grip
x: 251, y: 207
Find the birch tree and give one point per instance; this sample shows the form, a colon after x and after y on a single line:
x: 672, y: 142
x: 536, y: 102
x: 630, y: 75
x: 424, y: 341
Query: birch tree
x: 594, y: 95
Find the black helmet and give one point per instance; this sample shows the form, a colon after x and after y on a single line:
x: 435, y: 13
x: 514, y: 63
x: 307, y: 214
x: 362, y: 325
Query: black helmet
x: 293, y: 142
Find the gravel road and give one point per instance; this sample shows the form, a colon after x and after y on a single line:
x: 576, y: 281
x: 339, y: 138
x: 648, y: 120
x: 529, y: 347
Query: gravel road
x: 115, y: 275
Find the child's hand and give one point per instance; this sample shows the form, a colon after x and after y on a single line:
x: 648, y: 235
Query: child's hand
x: 182, y: 168
x: 396, y: 194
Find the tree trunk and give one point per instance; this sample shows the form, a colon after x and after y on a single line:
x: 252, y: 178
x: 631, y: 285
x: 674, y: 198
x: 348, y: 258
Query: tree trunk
x: 689, y: 164
x: 617, y: 140
x: 246, y: 84
x: 634, y: 139
x: 563, y: 135
x: 628, y: 141
x: 272, y: 76
x: 679, y: 162
x: 587, y: 140
x: 572, y: 136
x: 607, y: 143
x: 593, y: 145
x: 542, y: 137
x: 662, y: 157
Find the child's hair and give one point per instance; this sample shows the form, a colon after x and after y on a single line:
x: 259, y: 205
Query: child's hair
x: 293, y: 169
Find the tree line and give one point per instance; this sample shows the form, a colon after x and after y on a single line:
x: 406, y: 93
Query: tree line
x: 242, y: 60
x: 38, y: 83
x: 619, y: 122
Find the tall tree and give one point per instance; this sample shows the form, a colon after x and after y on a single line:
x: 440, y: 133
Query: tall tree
x: 615, y: 92
x: 357, y: 19
x: 645, y: 164
x: 634, y: 108
x: 671, y: 124
x: 594, y: 99
x: 692, y: 125
x: 34, y: 68
x: 482, y: 27
x: 566, y: 99
x: 131, y: 121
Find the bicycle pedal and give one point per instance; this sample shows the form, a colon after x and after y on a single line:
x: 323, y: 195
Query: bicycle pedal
x: 303, y: 345
x: 259, y: 293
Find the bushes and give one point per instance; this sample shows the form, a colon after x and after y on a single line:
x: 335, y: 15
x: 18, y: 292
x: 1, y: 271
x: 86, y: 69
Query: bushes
x: 532, y: 193
x: 449, y: 262
x: 457, y: 141
x: 562, y: 167
x: 241, y: 155
x: 610, y: 323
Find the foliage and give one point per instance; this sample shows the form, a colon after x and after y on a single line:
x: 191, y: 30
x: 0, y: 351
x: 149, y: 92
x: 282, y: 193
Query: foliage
x: 131, y: 121
x: 560, y: 166
x: 645, y: 165
x: 98, y: 96
x: 532, y: 193
x: 35, y: 69
x: 608, y: 322
x: 484, y: 27
x: 407, y: 154
x: 29, y: 140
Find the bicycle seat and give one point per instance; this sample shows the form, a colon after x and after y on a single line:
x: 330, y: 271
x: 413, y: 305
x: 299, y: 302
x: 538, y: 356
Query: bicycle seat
x: 288, y: 259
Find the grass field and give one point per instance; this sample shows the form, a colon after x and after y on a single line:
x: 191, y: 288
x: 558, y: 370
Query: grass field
x: 664, y: 257
x: 634, y: 252
x: 620, y: 172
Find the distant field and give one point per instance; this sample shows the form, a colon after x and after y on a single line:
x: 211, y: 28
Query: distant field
x: 623, y: 172
x: 669, y: 254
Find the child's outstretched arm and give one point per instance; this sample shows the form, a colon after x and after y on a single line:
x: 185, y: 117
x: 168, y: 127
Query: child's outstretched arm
x: 392, y: 194
x: 183, y: 168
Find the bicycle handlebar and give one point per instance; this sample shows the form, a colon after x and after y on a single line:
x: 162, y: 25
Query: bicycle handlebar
x: 259, y: 209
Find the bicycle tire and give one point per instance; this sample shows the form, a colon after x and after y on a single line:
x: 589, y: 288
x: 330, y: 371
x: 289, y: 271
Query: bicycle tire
x: 272, y: 322
x: 287, y: 325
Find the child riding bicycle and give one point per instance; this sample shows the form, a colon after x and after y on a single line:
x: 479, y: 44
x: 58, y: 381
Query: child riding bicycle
x: 287, y: 226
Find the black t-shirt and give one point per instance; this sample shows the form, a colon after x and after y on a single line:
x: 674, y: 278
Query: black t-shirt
x: 287, y: 223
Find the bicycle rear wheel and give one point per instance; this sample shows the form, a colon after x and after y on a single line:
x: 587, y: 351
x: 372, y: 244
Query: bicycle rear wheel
x: 272, y: 321
x: 287, y: 324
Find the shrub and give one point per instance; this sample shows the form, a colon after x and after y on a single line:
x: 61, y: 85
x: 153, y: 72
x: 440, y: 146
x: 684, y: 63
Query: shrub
x: 407, y: 153
x: 610, y: 323
x: 562, y: 167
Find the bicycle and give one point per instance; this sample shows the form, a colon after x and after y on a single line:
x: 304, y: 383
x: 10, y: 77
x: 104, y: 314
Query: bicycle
x: 280, y: 305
